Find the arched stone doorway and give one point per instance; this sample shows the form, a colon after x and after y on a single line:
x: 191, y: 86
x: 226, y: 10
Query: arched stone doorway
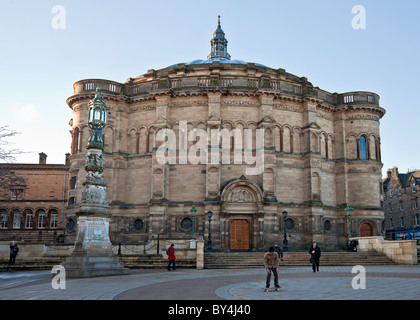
x: 242, y: 213
x: 366, y: 230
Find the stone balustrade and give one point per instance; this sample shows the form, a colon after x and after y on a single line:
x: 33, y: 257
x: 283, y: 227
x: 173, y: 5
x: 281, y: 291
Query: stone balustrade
x: 240, y: 83
x: 400, y: 251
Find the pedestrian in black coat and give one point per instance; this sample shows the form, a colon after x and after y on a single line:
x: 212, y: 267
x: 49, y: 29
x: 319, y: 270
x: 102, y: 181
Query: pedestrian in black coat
x: 278, y: 250
x: 315, y: 252
x: 14, y: 250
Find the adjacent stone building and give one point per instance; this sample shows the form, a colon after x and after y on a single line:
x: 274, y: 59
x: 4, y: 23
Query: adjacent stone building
x: 33, y: 200
x: 401, y: 204
x: 321, y: 153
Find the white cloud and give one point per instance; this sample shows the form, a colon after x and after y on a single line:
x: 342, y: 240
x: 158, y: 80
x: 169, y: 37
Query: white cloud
x: 27, y: 114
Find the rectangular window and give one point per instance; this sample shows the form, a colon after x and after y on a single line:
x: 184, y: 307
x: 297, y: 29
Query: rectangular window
x: 17, y: 194
x: 390, y: 207
x: 402, y: 222
x: 73, y: 181
x: 391, y: 223
x: 413, y: 187
x: 416, y: 220
x: 415, y: 203
x: 401, y: 206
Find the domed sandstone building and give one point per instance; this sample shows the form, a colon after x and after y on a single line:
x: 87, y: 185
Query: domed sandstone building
x: 320, y: 153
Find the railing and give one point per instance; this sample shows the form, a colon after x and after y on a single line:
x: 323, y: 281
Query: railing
x: 348, y: 98
x: 203, y: 82
x: 103, y: 85
x: 357, y: 97
x: 226, y: 82
x: 253, y: 83
x: 88, y: 86
x: 176, y: 83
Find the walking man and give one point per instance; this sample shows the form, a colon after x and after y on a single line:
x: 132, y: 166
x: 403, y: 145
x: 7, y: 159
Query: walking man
x: 171, y: 257
x: 315, y: 252
x: 271, y: 262
x: 14, y: 250
x: 278, y: 250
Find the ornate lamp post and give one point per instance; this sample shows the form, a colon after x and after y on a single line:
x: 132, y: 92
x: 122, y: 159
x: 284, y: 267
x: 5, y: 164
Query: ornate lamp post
x: 285, y: 242
x: 96, y: 121
x: 193, y: 211
x: 209, y: 243
x: 92, y: 254
x: 350, y: 245
x: 348, y: 209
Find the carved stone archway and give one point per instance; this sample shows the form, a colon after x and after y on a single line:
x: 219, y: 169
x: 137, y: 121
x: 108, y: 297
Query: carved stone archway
x: 242, y: 215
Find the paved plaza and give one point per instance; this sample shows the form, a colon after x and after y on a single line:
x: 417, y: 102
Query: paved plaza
x: 297, y: 283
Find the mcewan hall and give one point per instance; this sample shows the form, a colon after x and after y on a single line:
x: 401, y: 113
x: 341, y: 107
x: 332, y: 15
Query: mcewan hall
x: 321, y: 154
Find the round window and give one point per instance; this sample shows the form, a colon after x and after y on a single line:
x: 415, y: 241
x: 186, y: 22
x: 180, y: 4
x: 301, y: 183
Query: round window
x: 327, y: 225
x: 138, y: 225
x: 186, y: 224
x: 289, y: 224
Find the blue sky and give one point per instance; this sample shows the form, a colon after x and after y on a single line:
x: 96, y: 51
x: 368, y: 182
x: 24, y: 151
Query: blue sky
x: 120, y: 39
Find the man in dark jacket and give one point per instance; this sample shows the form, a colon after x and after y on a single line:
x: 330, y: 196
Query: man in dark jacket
x: 315, y: 252
x: 14, y: 250
x: 278, y: 250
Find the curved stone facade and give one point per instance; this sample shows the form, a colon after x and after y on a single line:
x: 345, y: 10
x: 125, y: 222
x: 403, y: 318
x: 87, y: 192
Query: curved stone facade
x: 321, y: 152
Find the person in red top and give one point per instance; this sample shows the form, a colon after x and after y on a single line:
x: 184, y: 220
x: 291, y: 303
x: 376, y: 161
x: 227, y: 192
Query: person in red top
x: 171, y: 257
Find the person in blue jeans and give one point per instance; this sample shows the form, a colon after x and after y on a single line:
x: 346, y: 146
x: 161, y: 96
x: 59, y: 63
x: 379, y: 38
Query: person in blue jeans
x: 271, y: 262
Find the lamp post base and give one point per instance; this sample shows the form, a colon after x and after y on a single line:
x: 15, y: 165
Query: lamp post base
x: 92, y: 255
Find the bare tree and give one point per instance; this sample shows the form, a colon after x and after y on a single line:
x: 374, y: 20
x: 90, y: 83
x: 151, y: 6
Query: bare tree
x: 7, y: 154
x: 11, y: 184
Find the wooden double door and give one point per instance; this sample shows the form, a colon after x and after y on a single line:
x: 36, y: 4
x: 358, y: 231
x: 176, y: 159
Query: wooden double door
x: 366, y: 230
x: 239, y: 234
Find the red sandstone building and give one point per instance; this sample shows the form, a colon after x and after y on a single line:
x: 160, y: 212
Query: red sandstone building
x: 33, y: 201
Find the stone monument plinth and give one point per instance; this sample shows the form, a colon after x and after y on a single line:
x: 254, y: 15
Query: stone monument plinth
x: 92, y: 255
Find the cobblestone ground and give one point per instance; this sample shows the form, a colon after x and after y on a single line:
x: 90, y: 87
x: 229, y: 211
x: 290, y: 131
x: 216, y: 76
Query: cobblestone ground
x: 331, y: 283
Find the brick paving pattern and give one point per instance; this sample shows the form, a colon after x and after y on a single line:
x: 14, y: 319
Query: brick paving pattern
x: 331, y: 283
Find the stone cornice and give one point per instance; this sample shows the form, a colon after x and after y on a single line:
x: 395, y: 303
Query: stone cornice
x: 34, y: 166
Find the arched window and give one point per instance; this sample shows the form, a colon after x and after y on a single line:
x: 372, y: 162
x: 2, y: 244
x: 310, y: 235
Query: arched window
x: 363, y: 149
x: 29, y: 222
x: 4, y: 219
x: 16, y: 219
x: 53, y: 219
x: 41, y: 219
x: 316, y: 186
x: 75, y: 141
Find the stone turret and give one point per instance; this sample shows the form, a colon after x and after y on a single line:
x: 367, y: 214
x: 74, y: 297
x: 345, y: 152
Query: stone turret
x: 219, y: 44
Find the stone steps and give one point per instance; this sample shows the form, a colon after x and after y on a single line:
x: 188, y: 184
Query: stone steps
x: 256, y: 259
x: 130, y: 262
x: 218, y: 260
x: 153, y: 262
